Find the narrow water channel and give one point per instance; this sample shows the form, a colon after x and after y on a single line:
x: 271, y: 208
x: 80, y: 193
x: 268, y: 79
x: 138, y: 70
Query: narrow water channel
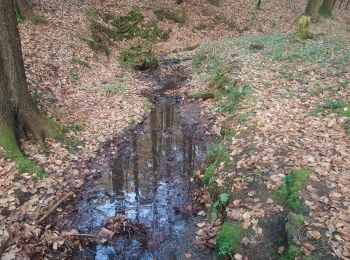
x: 147, y: 179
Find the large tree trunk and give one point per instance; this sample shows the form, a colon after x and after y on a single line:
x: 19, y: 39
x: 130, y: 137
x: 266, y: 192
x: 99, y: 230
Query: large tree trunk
x: 327, y: 8
x: 313, y: 9
x: 18, y: 112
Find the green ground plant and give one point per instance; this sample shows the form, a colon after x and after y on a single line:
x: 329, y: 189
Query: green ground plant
x: 303, y: 28
x: 139, y: 57
x: 13, y: 152
x: 330, y: 106
x: 228, y: 239
x: 81, y: 62
x: 168, y: 14
x: 217, y: 153
x: 19, y: 17
x: 202, y: 95
x: 104, y: 28
x: 288, y: 193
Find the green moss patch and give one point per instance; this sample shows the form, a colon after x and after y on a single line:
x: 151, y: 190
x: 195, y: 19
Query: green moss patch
x: 288, y: 193
x: 167, y: 14
x: 37, y: 19
x: 202, y: 95
x: 57, y: 130
x: 105, y: 28
x: 294, y: 225
x: 139, y: 57
x: 81, y: 63
x: 9, y: 143
x: 228, y: 239
x: 19, y: 17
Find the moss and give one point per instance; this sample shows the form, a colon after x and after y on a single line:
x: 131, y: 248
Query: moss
x: 325, y: 12
x: 338, y: 107
x: 219, y: 78
x: 232, y: 24
x: 292, y: 184
x: 26, y: 165
x: 294, y: 225
x: 167, y: 14
x: 201, y: 26
x: 228, y: 239
x: 233, y: 97
x: 208, y: 174
x: 19, y: 17
x: 202, y: 95
x: 139, y: 57
x: 9, y: 143
x: 57, y: 130
x: 303, y: 28
x: 37, y: 19
x: 81, y: 63
x: 292, y: 252
x: 72, y: 144
x: 214, y: 2
x: 191, y: 47
x: 119, y: 28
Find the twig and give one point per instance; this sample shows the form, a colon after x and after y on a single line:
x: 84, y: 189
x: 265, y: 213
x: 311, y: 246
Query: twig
x: 54, y: 207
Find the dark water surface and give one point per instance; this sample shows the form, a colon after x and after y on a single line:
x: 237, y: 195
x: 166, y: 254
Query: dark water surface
x: 147, y: 179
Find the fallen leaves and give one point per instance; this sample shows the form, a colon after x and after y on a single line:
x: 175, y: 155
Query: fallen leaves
x: 314, y: 234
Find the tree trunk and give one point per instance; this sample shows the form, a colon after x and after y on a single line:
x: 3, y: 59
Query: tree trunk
x: 18, y: 112
x: 326, y: 8
x: 313, y: 9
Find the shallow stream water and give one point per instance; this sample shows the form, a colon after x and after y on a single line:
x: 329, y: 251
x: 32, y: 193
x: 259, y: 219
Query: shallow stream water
x: 147, y: 178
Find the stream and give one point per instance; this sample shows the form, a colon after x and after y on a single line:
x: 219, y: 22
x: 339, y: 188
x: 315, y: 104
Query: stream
x: 146, y: 176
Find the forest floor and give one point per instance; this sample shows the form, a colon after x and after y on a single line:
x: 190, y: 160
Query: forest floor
x: 293, y: 112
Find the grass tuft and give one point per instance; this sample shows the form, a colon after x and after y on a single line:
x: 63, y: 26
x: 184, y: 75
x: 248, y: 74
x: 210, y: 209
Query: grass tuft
x: 303, y: 28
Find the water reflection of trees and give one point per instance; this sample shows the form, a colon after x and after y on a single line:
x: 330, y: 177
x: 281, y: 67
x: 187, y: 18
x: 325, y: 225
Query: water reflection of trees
x: 161, y: 152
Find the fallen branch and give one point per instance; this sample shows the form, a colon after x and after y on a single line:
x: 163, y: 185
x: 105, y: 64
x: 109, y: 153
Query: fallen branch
x: 53, y: 208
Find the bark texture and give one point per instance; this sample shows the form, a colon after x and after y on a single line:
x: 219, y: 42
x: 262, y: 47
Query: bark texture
x: 327, y: 8
x: 18, y: 112
x: 313, y: 9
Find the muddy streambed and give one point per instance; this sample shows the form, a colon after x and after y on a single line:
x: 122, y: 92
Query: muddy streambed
x: 146, y: 176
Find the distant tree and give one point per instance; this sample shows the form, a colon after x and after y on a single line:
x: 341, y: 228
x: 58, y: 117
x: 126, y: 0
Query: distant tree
x: 317, y: 8
x: 19, y: 115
